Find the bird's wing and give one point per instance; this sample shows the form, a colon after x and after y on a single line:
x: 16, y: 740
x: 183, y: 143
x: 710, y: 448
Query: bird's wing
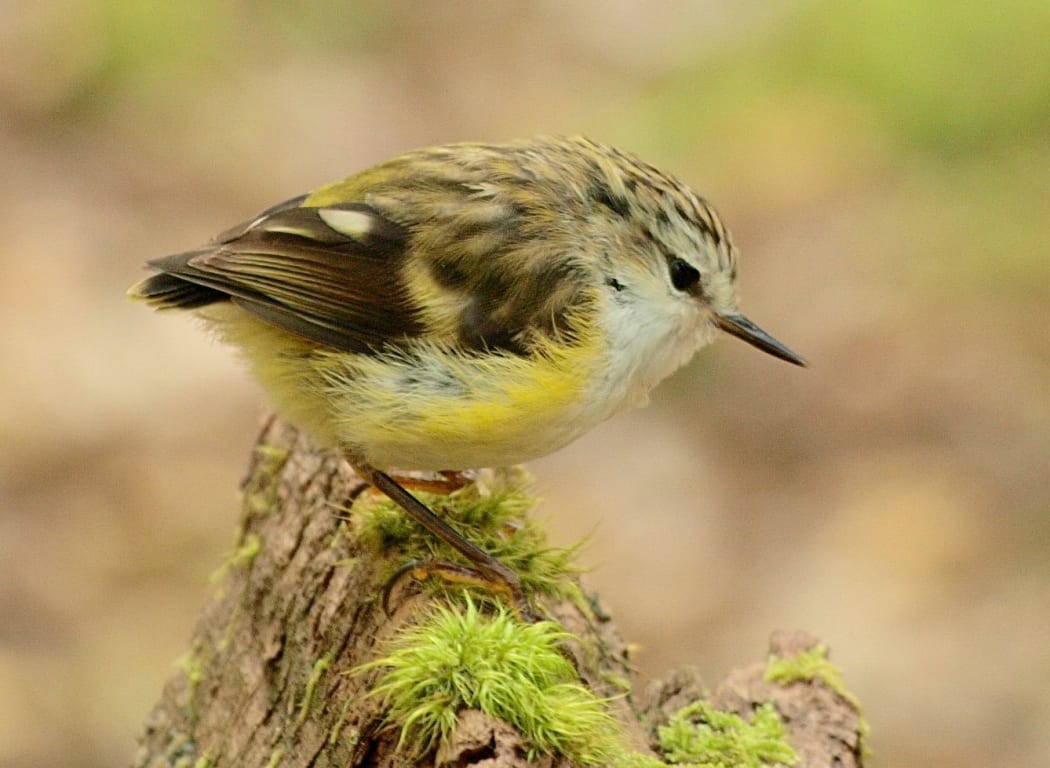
x: 330, y: 274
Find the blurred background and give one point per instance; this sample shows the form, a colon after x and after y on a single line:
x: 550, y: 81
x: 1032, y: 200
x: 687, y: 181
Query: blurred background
x: 884, y: 169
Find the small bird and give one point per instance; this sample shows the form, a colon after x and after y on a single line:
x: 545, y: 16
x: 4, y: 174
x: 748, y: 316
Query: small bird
x: 467, y: 305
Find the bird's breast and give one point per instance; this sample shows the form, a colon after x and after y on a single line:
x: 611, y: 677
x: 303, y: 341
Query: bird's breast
x: 436, y: 408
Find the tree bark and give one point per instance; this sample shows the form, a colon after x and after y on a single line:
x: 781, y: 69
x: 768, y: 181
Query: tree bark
x: 269, y: 678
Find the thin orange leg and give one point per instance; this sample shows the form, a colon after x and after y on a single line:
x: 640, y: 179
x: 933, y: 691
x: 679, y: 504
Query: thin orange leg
x: 484, y: 569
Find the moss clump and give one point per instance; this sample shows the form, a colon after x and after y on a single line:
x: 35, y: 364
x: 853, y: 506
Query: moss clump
x: 492, y: 513
x: 806, y: 666
x: 513, y: 671
x: 708, y: 738
x: 814, y: 664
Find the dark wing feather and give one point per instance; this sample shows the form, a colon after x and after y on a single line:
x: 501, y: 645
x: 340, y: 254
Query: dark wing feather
x: 166, y: 291
x: 234, y: 232
x: 292, y: 269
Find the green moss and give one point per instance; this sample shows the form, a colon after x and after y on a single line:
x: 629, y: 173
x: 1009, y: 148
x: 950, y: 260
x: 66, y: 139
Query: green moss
x: 513, y: 671
x: 815, y: 665
x: 259, y: 495
x: 353, y: 736
x: 257, y: 504
x: 179, y: 752
x: 246, y: 553
x: 231, y: 625
x: 241, y: 557
x: 336, y: 538
x: 617, y: 681
x: 806, y: 666
x: 274, y: 456
x: 193, y: 667
x: 702, y: 736
x: 491, y: 513
x: 321, y: 666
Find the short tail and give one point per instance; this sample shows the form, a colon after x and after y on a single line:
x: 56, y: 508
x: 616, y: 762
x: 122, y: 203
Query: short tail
x: 165, y: 291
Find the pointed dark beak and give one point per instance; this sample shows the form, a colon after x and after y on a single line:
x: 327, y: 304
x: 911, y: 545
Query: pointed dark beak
x: 742, y: 328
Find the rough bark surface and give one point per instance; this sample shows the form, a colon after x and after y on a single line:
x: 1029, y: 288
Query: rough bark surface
x: 266, y: 679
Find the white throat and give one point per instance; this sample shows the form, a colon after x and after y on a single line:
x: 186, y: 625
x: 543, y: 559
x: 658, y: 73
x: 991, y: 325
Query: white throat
x: 645, y: 343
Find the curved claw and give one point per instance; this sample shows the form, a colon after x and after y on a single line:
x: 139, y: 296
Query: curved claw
x: 456, y: 573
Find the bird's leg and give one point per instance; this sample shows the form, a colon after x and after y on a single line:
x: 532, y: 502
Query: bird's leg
x: 484, y: 570
x: 447, y: 482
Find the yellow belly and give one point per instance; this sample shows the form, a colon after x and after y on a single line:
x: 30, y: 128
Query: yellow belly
x: 428, y: 407
x: 436, y: 409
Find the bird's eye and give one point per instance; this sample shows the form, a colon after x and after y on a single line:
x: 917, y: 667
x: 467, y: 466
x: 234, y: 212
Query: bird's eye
x: 683, y: 274
x: 615, y: 284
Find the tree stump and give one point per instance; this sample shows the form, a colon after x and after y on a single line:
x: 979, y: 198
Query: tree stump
x: 287, y: 652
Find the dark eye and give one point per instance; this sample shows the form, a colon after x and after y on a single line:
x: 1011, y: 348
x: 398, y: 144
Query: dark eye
x: 683, y: 274
x: 615, y: 284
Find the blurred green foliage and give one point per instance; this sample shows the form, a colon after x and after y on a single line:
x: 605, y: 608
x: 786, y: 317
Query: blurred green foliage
x: 941, y: 77
x: 945, y: 78
x: 953, y: 98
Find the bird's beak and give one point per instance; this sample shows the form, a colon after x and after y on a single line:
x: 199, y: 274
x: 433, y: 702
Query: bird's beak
x: 742, y: 328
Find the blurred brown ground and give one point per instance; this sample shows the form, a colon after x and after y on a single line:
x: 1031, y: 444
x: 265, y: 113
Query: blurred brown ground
x: 883, y: 167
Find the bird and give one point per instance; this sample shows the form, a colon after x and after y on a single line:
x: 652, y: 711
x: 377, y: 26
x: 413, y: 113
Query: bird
x: 467, y: 305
